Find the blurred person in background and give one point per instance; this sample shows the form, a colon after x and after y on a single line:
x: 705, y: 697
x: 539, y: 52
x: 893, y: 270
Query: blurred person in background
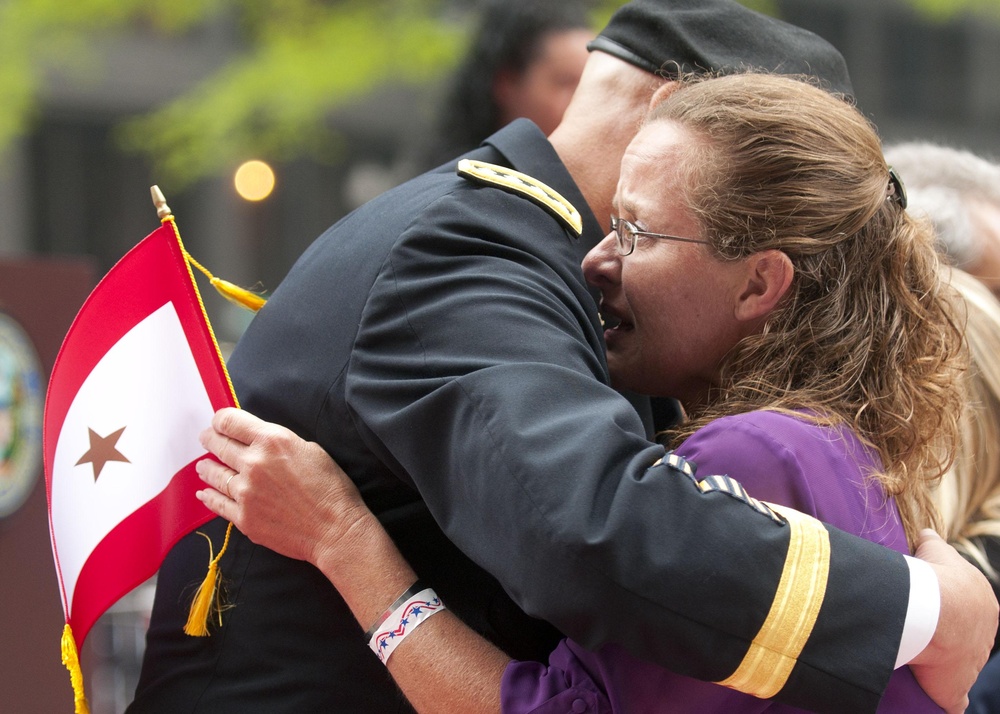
x: 524, y: 60
x: 968, y: 496
x: 960, y: 193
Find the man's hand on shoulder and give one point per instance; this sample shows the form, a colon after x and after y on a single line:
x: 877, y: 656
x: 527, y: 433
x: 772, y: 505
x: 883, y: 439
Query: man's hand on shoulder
x: 966, y: 628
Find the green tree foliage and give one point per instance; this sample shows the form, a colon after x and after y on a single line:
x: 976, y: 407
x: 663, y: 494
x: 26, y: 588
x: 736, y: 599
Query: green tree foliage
x: 38, y: 36
x: 942, y: 10
x: 303, y: 59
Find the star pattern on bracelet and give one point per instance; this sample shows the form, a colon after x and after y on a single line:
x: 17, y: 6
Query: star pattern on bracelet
x: 413, y: 614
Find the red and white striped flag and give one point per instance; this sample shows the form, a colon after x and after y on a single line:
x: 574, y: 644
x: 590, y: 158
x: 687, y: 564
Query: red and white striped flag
x: 138, y: 377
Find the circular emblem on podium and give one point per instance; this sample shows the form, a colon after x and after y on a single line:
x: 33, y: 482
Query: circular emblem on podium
x: 20, y: 416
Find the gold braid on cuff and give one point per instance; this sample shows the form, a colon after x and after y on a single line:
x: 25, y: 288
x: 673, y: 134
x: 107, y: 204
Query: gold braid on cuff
x: 777, y: 646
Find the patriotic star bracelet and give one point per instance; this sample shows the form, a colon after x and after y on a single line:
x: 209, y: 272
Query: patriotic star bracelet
x: 403, y: 616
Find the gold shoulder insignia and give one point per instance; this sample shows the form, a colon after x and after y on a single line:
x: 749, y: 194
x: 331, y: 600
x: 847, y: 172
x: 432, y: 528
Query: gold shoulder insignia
x: 524, y: 185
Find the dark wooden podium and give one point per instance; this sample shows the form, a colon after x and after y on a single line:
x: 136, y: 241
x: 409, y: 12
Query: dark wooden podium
x: 40, y: 296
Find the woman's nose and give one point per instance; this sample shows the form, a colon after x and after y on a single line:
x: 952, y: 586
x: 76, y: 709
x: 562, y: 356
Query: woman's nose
x: 602, y: 265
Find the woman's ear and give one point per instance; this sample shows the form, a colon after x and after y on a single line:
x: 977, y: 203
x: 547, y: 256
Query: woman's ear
x: 768, y: 277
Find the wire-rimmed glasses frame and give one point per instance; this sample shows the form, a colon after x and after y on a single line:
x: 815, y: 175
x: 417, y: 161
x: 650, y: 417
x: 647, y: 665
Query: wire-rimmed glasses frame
x: 626, y: 231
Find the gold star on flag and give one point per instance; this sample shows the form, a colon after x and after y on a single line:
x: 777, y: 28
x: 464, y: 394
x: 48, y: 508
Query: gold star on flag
x: 102, y: 450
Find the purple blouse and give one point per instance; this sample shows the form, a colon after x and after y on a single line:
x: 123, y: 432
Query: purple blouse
x: 778, y: 458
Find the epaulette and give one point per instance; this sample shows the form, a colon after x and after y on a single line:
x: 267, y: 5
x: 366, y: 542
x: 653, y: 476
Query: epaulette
x: 523, y: 185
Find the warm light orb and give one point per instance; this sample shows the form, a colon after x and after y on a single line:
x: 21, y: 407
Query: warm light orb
x: 254, y: 180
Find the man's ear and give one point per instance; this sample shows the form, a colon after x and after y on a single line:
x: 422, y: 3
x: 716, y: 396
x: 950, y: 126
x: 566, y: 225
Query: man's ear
x: 768, y: 277
x: 665, y: 90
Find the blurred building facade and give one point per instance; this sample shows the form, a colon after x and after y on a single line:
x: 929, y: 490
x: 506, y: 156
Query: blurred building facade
x: 67, y: 189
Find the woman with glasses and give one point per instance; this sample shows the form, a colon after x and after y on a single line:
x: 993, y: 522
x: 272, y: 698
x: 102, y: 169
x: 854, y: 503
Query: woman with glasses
x: 761, y: 269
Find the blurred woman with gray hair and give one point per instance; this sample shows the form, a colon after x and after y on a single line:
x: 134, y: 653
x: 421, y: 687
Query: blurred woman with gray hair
x: 959, y: 192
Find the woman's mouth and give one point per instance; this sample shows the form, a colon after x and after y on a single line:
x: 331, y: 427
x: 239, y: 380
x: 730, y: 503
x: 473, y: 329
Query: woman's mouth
x: 613, y: 323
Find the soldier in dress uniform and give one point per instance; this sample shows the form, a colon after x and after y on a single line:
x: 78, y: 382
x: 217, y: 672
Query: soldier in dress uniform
x: 442, y: 345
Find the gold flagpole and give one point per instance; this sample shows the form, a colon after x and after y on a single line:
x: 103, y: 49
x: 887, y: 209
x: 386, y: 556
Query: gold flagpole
x: 207, y: 600
x: 162, y: 209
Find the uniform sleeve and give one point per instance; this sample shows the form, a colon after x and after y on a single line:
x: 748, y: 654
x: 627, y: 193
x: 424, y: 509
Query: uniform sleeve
x: 476, y: 375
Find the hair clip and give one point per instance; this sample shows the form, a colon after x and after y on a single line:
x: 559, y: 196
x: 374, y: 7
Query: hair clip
x: 896, y: 190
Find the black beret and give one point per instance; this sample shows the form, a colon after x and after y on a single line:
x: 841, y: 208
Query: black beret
x: 661, y: 36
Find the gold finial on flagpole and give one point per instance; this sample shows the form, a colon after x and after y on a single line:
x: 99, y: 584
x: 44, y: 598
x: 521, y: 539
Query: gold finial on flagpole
x: 162, y: 209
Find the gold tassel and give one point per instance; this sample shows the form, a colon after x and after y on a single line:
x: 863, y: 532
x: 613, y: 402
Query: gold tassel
x: 207, y: 601
x: 232, y: 293
x: 235, y: 294
x: 71, y: 659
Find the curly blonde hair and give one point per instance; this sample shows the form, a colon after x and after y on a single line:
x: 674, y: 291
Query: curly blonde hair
x: 867, y: 335
x: 968, y: 495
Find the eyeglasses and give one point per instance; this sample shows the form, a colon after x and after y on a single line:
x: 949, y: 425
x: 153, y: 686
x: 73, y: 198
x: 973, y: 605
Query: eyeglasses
x: 626, y: 232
